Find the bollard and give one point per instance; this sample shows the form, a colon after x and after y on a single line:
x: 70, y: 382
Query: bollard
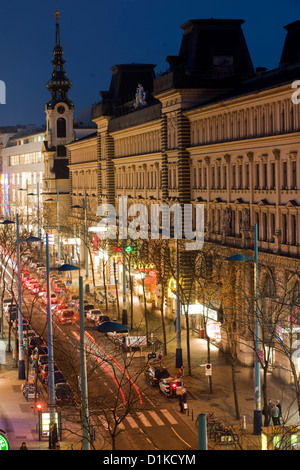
x: 202, y: 432
x: 243, y: 424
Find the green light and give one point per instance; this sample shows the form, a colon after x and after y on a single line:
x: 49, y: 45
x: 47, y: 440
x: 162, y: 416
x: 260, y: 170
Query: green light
x: 4, y: 445
x: 128, y: 248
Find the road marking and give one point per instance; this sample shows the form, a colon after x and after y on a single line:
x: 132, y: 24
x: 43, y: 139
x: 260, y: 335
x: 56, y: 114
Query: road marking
x: 180, y: 437
x: 169, y: 417
x: 144, y: 420
x: 131, y: 421
x: 156, y: 418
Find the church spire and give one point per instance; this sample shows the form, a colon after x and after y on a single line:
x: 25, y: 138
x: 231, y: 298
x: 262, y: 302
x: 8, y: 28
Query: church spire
x: 59, y: 84
x: 57, y: 37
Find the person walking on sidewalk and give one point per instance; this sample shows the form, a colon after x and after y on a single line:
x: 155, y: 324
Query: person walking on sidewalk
x: 183, y: 401
x: 278, y: 404
x: 23, y: 446
x: 275, y: 415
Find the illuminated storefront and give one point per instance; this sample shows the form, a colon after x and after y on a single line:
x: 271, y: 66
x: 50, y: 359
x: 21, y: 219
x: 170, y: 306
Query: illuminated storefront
x: 200, y: 315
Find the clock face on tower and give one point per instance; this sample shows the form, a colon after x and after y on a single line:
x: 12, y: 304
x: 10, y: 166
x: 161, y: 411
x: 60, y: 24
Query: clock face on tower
x: 60, y: 109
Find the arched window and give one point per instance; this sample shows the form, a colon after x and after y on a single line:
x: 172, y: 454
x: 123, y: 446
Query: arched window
x: 61, y: 127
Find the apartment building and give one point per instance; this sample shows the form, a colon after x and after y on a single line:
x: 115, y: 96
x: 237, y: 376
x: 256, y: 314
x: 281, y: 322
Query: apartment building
x: 212, y: 130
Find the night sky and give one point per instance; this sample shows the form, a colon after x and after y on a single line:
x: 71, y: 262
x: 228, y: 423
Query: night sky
x: 96, y: 35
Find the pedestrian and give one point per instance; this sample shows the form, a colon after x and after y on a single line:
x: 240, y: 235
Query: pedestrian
x: 183, y: 401
x: 23, y: 446
x: 278, y: 404
x: 269, y: 409
x: 275, y: 415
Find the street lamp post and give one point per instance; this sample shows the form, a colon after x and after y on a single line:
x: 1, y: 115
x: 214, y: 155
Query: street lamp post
x: 83, y: 376
x: 38, y: 207
x: 51, y: 389
x: 27, y: 214
x: 76, y: 206
x: 178, y: 325
x: 257, y: 418
x: 84, y: 391
x: 58, y: 222
x: 20, y: 321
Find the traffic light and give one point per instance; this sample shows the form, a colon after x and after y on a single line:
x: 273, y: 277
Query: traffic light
x: 128, y: 248
x: 38, y: 407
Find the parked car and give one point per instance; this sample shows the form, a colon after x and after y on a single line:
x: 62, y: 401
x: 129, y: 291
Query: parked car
x: 88, y: 307
x: 156, y: 372
x: 171, y: 387
x: 42, y: 360
x: 33, y: 342
x: 59, y: 377
x: 39, y: 351
x: 101, y: 319
x: 63, y: 394
x: 28, y: 334
x: 25, y: 323
x: 44, y: 372
x: 93, y: 314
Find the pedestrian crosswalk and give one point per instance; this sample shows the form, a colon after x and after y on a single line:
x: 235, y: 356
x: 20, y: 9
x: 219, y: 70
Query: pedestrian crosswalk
x: 136, y: 420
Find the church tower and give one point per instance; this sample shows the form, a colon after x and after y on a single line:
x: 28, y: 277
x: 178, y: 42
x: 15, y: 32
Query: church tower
x: 59, y: 132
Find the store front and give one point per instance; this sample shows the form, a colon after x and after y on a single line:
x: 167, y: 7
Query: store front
x: 201, y: 315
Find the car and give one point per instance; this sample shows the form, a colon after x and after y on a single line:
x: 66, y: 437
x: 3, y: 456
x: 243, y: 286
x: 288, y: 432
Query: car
x: 35, y: 288
x: 33, y: 342
x: 171, y: 387
x: 67, y: 316
x: 63, y: 394
x: 29, y: 333
x: 42, y: 360
x: 60, y: 288
x: 59, y: 377
x: 76, y: 305
x: 42, y: 291
x: 88, y: 307
x: 101, y: 319
x: 25, y: 323
x: 156, y: 372
x: 54, y: 299
x: 40, y: 350
x: 111, y: 298
x: 61, y: 305
x: 93, y: 314
x: 72, y: 300
x: 44, y: 371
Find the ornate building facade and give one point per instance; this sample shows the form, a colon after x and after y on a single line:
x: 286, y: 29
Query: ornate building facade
x: 212, y: 131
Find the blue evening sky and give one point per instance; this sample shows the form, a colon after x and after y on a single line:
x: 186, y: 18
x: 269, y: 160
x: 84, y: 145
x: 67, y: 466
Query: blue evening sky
x: 96, y: 35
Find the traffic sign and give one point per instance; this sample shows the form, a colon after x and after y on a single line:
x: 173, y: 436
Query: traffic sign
x: 208, y: 369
